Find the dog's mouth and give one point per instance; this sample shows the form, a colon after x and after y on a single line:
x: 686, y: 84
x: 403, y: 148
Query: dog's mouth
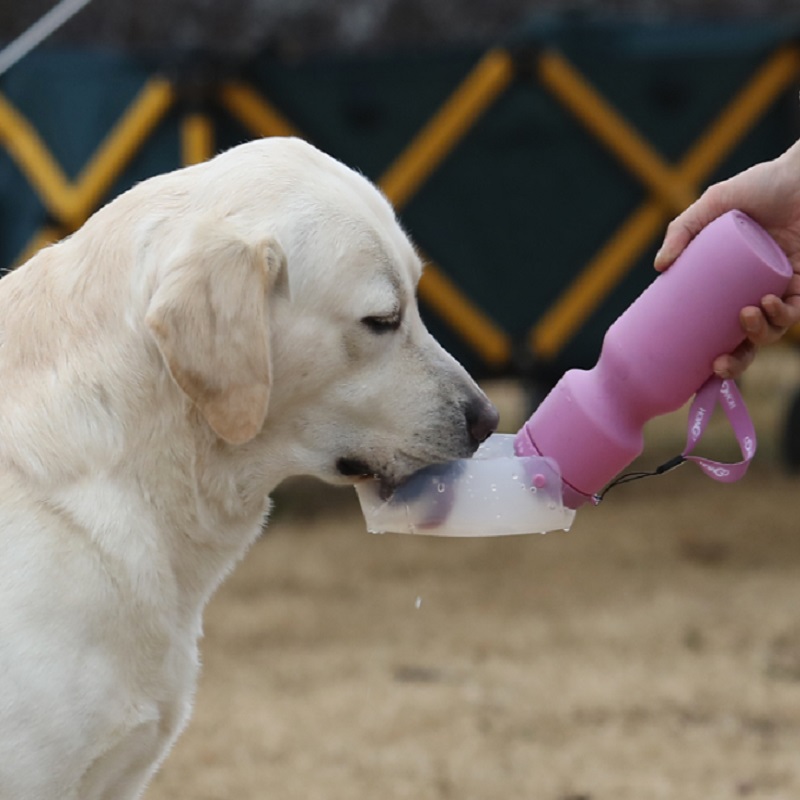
x: 358, y: 469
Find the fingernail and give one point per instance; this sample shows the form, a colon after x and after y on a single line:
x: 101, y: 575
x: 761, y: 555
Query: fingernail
x: 770, y: 303
x: 750, y: 323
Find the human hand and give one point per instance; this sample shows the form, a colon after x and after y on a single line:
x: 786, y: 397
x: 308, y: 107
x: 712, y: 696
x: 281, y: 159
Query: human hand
x: 770, y: 194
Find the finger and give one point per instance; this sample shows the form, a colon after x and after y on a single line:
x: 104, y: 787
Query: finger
x: 710, y: 205
x: 782, y: 313
x: 732, y: 365
x: 678, y: 235
x: 754, y: 324
x: 758, y: 328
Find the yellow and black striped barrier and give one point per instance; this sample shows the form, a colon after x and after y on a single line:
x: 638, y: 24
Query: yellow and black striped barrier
x: 670, y: 187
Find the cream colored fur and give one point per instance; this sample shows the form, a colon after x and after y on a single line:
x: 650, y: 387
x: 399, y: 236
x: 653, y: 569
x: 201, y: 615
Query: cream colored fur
x: 204, y: 336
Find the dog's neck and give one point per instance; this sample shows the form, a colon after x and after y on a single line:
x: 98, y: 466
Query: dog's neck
x: 131, y: 445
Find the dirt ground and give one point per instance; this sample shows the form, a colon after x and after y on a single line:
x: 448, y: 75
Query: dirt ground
x: 651, y: 652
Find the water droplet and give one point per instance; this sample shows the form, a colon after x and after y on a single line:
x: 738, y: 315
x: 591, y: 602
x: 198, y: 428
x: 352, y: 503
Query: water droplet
x: 418, y: 602
x: 440, y: 488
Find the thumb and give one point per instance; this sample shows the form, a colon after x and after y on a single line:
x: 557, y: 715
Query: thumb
x: 689, y: 223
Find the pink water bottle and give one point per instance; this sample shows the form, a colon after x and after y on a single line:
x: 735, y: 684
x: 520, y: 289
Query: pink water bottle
x: 656, y: 356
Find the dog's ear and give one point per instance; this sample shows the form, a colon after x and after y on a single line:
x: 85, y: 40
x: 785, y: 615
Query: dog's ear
x: 209, y: 316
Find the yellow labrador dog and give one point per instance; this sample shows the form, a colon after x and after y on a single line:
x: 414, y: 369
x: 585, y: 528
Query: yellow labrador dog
x: 201, y: 338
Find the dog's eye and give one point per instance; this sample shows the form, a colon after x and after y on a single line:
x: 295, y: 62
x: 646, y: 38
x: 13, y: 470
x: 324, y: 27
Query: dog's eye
x: 383, y: 324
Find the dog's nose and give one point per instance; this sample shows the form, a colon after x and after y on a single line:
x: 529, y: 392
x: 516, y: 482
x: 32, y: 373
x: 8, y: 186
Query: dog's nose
x: 482, y: 419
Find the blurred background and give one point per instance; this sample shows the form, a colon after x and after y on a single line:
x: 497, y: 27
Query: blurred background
x: 535, y: 151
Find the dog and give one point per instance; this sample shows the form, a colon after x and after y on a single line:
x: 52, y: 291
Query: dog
x: 204, y: 336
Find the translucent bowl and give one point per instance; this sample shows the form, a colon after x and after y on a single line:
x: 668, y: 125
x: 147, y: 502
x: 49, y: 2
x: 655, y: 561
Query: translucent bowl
x: 494, y: 493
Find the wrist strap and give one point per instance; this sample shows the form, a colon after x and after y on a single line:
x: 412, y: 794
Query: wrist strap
x: 714, y: 391
x: 725, y: 393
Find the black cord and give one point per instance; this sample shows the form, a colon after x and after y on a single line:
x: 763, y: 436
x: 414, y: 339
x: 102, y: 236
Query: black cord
x: 628, y: 477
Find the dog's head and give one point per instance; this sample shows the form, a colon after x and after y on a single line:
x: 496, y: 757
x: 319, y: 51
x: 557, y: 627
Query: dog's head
x: 290, y: 318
